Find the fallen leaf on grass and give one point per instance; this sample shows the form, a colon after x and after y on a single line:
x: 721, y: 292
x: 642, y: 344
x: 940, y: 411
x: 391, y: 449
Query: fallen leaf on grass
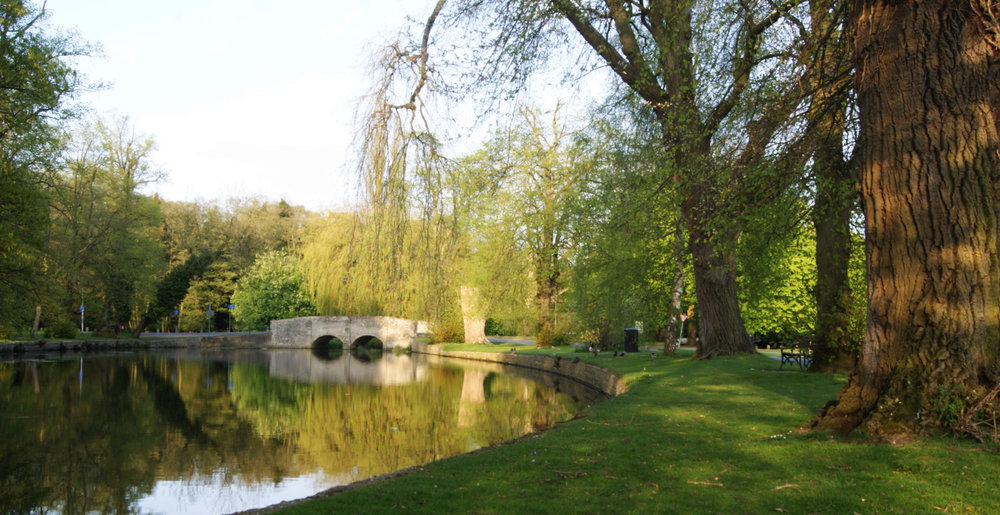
x: 704, y: 483
x: 839, y: 467
x: 784, y: 486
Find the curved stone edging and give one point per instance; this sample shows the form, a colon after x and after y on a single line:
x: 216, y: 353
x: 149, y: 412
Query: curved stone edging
x: 589, y: 374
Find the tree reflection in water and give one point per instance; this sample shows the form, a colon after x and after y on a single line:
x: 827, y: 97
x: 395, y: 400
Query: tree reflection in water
x: 105, y: 433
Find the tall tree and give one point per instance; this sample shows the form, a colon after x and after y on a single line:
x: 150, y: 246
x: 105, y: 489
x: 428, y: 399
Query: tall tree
x: 715, y: 116
x: 834, y: 344
x: 36, y: 80
x: 928, y: 84
x: 105, y: 241
x: 171, y: 289
x: 273, y: 288
x: 630, y: 265
x: 538, y: 170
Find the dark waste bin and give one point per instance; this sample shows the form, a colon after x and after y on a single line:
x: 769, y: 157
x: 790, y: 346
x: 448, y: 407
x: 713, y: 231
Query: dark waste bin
x: 631, y: 340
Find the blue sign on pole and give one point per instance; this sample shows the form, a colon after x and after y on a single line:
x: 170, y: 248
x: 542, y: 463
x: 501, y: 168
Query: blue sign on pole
x: 232, y: 306
x: 81, y: 308
x: 177, y: 312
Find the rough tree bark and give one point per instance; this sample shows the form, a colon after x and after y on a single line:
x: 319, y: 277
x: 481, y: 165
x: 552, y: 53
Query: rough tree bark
x: 928, y: 83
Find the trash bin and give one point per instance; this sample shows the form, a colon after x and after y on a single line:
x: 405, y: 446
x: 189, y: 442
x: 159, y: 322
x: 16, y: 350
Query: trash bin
x: 631, y: 340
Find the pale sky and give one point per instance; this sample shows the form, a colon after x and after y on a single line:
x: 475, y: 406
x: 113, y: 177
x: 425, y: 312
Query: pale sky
x: 243, y: 97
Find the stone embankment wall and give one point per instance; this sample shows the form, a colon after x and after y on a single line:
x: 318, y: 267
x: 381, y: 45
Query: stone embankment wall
x: 594, y: 376
x: 239, y: 340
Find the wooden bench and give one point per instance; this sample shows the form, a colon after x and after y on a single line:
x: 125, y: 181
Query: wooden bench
x: 796, y: 353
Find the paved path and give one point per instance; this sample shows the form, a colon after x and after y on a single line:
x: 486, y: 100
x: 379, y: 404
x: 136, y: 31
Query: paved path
x: 497, y: 339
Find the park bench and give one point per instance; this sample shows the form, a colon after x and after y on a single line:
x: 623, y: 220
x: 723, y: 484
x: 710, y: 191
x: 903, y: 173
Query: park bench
x: 796, y: 353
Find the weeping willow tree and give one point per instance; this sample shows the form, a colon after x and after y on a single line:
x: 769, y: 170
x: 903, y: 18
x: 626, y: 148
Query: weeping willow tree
x: 398, y: 253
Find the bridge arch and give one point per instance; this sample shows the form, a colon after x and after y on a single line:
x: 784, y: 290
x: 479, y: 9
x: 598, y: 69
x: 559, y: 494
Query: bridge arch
x: 327, y: 347
x: 367, y: 340
x: 307, y: 331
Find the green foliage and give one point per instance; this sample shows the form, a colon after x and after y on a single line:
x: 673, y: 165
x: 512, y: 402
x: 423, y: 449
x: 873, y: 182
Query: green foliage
x: 950, y: 404
x: 236, y: 231
x: 23, y: 221
x: 777, y: 282
x: 448, y: 330
x: 104, y: 247
x: 172, y: 289
x: 495, y: 327
x: 61, y: 327
x: 37, y: 79
x: 522, y: 241
x: 349, y: 272
x: 858, y: 279
x: 625, y: 269
x: 777, y: 286
x: 273, y: 288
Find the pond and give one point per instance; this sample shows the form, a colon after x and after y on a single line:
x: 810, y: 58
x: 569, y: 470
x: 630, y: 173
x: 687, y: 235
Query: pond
x: 191, y: 431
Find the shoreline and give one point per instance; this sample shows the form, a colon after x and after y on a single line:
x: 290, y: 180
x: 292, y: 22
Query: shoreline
x: 587, y: 374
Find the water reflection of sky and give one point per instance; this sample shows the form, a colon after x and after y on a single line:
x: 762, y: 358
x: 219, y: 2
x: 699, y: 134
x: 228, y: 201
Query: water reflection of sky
x: 217, y: 494
x: 135, y: 432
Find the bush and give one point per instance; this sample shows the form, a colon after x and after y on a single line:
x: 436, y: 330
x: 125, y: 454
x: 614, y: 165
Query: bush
x: 448, y: 331
x: 496, y: 327
x: 561, y: 340
x: 104, y: 332
x: 555, y: 338
x: 61, y: 328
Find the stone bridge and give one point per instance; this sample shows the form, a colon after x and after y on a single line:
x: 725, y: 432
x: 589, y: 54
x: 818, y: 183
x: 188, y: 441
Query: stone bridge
x: 351, y: 330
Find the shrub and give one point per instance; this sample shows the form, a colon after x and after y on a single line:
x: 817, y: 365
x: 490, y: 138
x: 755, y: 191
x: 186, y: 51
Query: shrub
x: 560, y: 339
x: 496, y: 327
x: 105, y: 332
x: 448, y: 331
x: 61, y: 327
x: 552, y: 337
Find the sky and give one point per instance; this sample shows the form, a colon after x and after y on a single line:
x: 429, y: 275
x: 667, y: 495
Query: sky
x: 243, y: 97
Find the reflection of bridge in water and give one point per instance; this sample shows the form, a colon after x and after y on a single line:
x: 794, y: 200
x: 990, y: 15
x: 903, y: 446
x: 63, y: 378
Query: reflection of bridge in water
x: 399, y: 369
x: 389, y: 369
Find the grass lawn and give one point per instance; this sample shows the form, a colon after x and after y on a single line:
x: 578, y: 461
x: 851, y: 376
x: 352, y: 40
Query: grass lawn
x: 714, y: 436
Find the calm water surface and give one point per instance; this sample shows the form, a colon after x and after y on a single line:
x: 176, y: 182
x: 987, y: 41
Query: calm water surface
x: 194, y: 432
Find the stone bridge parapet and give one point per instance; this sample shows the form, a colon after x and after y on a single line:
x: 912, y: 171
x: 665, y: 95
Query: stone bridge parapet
x: 303, y: 331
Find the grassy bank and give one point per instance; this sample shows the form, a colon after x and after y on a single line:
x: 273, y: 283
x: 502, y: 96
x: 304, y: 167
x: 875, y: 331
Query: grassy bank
x: 692, y: 437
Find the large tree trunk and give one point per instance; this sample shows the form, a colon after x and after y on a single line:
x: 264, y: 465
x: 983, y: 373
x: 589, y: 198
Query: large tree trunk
x: 722, y: 330
x: 472, y: 315
x: 928, y: 83
x: 834, y: 349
